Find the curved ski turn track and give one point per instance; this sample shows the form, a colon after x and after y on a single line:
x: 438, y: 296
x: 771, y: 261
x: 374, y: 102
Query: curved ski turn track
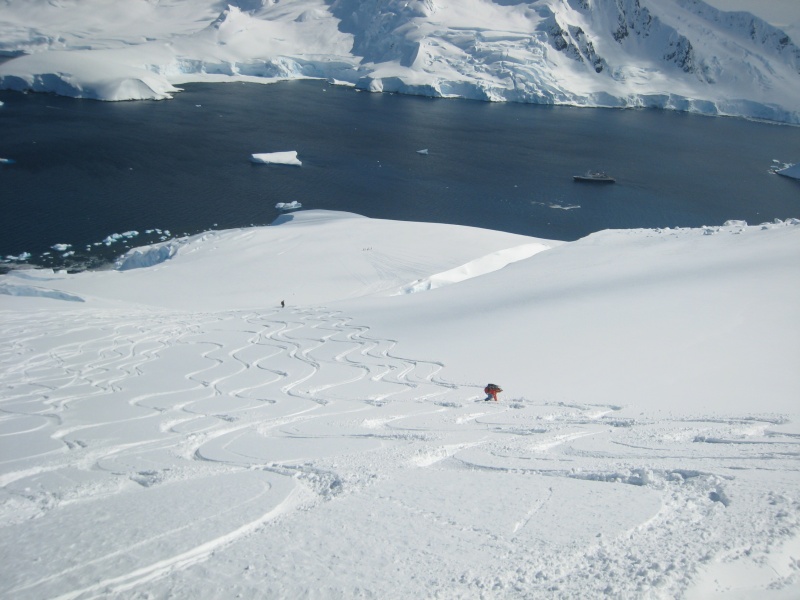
x: 292, y: 454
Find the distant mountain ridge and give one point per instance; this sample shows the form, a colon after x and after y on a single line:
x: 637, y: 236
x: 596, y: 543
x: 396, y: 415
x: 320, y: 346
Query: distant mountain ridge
x: 674, y: 54
x: 584, y: 52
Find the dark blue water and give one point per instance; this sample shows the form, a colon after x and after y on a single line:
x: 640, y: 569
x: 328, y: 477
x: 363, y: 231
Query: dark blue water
x: 88, y: 169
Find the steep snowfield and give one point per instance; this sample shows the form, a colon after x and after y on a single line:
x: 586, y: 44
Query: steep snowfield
x: 676, y: 54
x: 169, y: 430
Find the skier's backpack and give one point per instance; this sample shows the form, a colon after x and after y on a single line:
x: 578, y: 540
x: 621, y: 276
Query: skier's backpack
x: 493, y: 388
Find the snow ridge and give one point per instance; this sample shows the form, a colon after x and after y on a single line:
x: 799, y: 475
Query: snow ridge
x: 475, y: 268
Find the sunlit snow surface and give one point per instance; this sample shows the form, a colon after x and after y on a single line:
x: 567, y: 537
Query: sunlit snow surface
x: 179, y: 434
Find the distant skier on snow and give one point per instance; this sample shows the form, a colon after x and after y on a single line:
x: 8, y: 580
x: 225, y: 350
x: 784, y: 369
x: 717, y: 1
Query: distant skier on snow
x: 491, y: 392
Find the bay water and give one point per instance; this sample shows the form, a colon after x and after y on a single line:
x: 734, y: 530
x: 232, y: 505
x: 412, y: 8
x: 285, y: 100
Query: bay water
x: 85, y: 170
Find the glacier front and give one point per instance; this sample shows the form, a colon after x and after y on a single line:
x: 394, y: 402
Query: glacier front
x: 675, y: 54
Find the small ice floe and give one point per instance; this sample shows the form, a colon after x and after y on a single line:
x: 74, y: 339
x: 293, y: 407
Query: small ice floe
x: 288, y: 205
x: 19, y: 258
x: 164, y: 234
x: 277, y: 158
x: 115, y: 237
x: 778, y: 165
x: 423, y: 151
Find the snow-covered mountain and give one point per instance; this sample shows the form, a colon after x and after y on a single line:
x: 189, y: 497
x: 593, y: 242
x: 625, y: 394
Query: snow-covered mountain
x: 677, y: 54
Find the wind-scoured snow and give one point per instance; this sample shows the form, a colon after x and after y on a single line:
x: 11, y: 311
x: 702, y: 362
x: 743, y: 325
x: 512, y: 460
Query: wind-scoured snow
x: 179, y: 433
x: 675, y: 54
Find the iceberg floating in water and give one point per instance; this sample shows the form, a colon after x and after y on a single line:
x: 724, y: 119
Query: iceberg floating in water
x: 288, y: 205
x: 277, y: 158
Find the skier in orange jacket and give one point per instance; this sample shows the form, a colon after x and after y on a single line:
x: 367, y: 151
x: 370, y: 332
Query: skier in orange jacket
x: 491, y: 391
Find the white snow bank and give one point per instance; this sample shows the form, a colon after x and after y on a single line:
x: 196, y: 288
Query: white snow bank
x: 277, y: 158
x: 147, y: 256
x: 475, y: 268
x: 31, y: 291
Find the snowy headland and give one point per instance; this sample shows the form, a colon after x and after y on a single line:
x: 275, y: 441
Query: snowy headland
x: 674, y: 54
x: 170, y: 429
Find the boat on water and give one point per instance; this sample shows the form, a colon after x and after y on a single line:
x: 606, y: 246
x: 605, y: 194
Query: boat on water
x: 594, y: 176
x: 792, y: 171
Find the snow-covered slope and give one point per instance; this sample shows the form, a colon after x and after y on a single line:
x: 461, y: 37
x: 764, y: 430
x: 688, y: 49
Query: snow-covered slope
x: 171, y: 431
x: 679, y: 54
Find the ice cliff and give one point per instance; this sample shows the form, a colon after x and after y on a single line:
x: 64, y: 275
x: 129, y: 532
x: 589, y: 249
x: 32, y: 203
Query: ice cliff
x: 674, y: 54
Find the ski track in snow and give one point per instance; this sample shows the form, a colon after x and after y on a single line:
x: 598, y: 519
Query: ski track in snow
x: 277, y: 419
